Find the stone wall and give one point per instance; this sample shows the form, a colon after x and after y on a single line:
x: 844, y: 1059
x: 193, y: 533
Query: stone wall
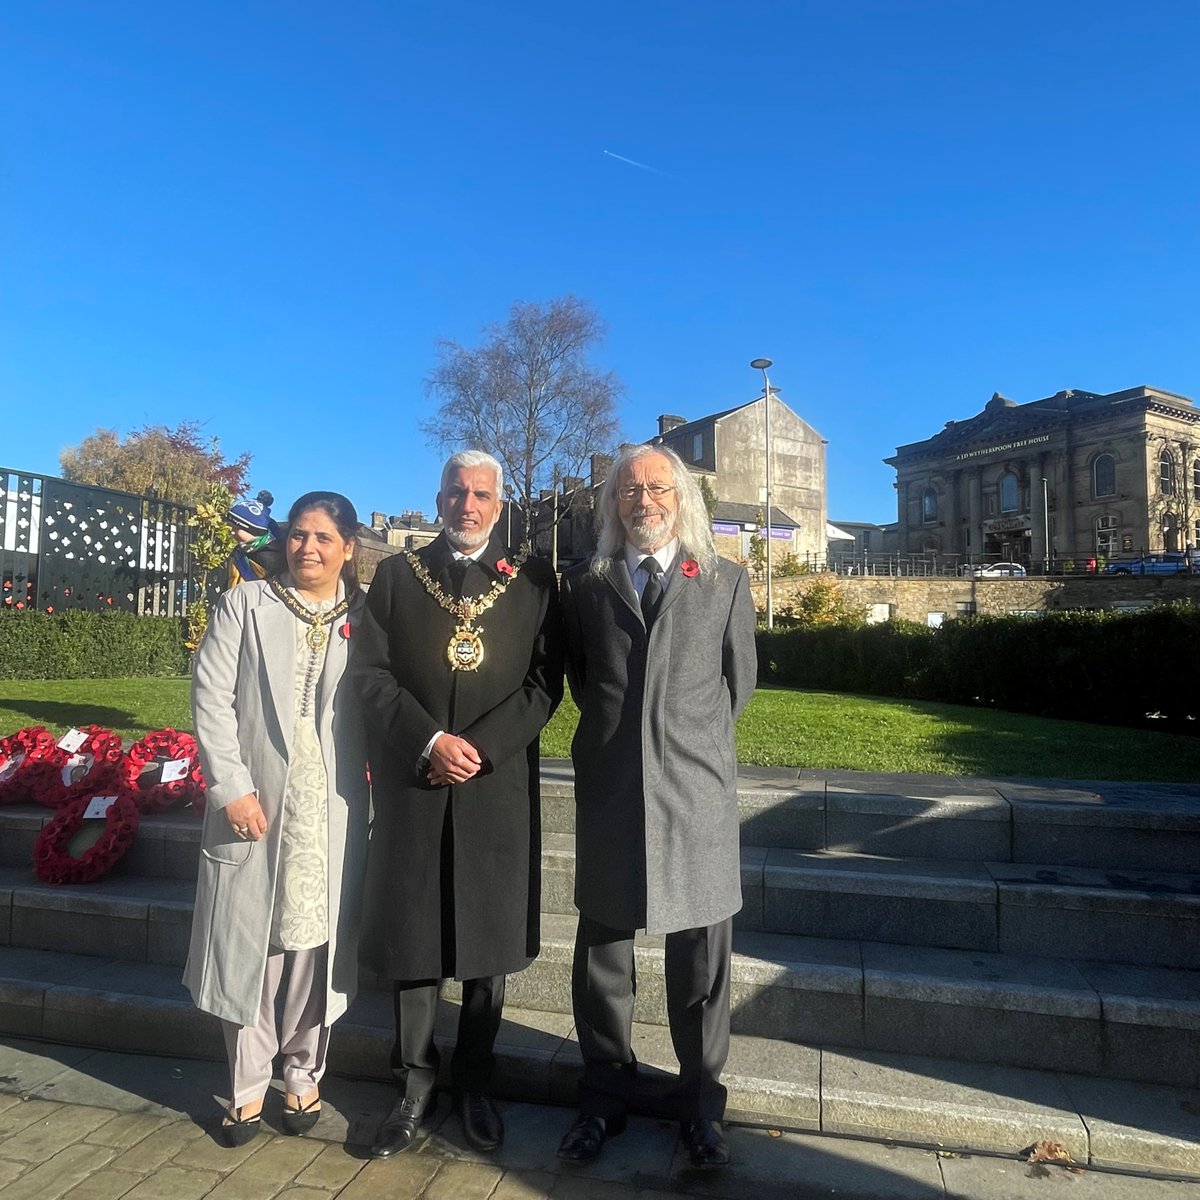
x: 913, y: 599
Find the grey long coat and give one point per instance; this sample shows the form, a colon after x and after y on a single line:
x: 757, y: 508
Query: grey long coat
x: 656, y: 824
x: 243, y: 703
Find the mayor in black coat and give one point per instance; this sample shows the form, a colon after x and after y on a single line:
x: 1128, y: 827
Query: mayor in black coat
x: 458, y: 660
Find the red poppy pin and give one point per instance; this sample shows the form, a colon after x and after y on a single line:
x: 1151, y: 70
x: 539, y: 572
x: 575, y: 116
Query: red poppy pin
x: 504, y: 567
x: 345, y: 630
x: 690, y: 567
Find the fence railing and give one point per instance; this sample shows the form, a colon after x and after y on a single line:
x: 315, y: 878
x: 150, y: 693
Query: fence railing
x: 917, y: 565
x: 70, y: 545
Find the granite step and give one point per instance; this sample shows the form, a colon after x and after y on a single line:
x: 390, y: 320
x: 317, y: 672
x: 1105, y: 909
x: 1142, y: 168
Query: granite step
x: 112, y: 1005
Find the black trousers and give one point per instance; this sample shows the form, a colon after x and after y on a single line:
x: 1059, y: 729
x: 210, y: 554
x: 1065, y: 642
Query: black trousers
x: 415, y: 1057
x: 603, y: 987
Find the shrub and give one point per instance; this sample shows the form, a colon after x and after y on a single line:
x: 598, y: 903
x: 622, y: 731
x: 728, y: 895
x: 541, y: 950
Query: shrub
x: 89, y: 645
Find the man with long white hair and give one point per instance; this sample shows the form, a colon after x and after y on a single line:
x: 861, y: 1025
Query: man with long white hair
x: 459, y: 662
x: 659, y: 635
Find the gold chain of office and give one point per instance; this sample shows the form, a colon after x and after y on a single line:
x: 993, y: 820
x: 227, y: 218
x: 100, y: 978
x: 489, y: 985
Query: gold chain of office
x: 464, y: 652
x: 319, y: 623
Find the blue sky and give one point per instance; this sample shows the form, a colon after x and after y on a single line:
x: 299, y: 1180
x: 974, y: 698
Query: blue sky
x: 264, y: 215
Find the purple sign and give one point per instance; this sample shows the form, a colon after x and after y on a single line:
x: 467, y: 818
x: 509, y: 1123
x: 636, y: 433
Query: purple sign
x: 781, y: 534
x: 726, y: 528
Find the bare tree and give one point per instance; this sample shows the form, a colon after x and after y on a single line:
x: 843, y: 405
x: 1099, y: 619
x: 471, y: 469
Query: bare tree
x: 528, y: 395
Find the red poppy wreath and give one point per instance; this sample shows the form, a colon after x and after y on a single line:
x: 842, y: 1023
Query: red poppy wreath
x: 81, y: 762
x: 163, y: 770
x: 53, y: 861
x: 21, y: 756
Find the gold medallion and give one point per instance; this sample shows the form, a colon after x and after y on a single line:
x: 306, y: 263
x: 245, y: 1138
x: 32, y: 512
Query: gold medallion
x: 465, y: 651
x: 316, y: 636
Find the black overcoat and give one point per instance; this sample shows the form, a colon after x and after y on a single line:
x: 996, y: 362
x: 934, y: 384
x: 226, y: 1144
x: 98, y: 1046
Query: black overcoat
x: 453, y: 873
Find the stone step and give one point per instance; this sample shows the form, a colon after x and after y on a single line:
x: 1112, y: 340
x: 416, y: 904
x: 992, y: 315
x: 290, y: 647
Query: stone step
x: 1116, y: 826
x: 1145, y: 918
x: 79, y: 1000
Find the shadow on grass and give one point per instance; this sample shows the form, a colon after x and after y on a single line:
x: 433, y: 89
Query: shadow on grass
x: 62, y: 714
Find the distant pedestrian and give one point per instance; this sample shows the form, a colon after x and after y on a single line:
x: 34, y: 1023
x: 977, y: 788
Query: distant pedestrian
x: 1189, y: 557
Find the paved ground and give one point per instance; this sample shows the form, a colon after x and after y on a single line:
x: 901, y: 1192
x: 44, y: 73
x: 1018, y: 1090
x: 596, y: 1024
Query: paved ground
x: 90, y: 1125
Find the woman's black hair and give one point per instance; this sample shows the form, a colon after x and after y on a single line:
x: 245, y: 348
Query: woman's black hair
x: 342, y: 513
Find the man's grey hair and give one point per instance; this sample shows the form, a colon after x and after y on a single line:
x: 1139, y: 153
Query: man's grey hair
x: 692, y: 525
x: 470, y: 459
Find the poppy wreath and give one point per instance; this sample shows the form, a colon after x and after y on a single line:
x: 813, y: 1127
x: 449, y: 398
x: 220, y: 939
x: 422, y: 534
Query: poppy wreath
x: 22, y: 759
x: 58, y: 776
x: 141, y: 771
x: 52, y: 860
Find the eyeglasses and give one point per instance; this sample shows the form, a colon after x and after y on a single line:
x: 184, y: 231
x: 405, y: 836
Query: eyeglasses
x: 633, y: 490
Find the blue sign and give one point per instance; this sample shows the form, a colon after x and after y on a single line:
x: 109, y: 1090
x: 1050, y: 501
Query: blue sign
x: 726, y: 528
x: 781, y: 534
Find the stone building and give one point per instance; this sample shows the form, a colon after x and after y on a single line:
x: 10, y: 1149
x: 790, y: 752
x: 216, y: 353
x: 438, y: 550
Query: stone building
x: 729, y: 449
x: 1055, y: 481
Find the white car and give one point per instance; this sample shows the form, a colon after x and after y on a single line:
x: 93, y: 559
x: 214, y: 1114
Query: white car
x: 996, y: 571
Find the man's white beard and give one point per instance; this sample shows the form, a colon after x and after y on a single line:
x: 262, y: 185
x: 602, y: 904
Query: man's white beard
x: 655, y: 535
x: 466, y: 541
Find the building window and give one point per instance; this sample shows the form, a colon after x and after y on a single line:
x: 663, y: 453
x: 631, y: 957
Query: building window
x: 1106, y: 536
x: 929, y: 505
x: 1196, y: 480
x: 1104, y: 476
x: 1009, y: 492
x: 989, y: 504
x: 1166, y: 474
x: 964, y: 608
x: 1170, y: 531
x: 697, y: 447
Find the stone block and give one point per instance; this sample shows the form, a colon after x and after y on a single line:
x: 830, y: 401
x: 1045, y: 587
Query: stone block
x: 750, y: 916
x: 911, y: 902
x: 980, y: 1008
x: 1151, y: 1022
x: 1138, y: 1126
x: 947, y: 1104
x: 1123, y: 826
x: 168, y: 932
x: 55, y: 1177
x: 79, y: 920
x: 966, y: 826
x: 19, y: 829
x: 1137, y: 917
x: 558, y: 873
x: 792, y: 817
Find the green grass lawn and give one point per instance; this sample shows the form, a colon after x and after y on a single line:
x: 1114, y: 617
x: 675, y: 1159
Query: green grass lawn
x: 781, y: 727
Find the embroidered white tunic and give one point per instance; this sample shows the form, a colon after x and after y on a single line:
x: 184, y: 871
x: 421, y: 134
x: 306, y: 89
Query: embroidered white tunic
x: 300, y: 920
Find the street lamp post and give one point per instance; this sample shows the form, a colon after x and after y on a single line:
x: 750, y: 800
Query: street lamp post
x: 1046, y: 525
x: 761, y: 364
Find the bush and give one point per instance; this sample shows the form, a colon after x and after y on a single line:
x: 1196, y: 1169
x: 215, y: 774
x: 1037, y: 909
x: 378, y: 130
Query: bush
x: 1105, y: 667
x: 89, y: 645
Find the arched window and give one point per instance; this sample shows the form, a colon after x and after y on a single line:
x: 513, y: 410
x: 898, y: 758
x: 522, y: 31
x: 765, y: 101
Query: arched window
x: 1196, y: 480
x: 1106, y: 536
x: 1170, y: 531
x: 929, y: 505
x: 1104, y: 476
x: 1166, y: 474
x: 1010, y: 492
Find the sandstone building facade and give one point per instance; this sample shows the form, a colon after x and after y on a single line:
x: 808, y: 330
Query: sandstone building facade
x: 1074, y: 476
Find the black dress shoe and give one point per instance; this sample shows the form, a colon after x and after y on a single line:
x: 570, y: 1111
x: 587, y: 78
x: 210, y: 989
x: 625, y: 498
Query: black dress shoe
x: 705, y: 1142
x: 481, y: 1123
x: 400, y: 1126
x: 585, y: 1139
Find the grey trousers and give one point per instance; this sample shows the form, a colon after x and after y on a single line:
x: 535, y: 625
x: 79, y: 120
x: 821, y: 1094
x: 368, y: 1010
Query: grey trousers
x: 302, y: 1036
x: 603, y: 987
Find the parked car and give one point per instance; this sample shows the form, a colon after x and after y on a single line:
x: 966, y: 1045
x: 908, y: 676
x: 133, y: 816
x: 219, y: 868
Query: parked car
x: 1005, y: 570
x: 1165, y: 562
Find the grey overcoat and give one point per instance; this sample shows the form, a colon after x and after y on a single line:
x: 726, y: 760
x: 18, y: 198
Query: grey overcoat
x: 656, y: 823
x: 243, y: 703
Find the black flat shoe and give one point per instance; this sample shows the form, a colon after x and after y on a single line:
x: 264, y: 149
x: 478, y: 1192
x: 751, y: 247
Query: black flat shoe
x: 585, y: 1139
x: 296, y: 1122
x: 236, y: 1130
x: 705, y: 1142
x: 481, y: 1123
x: 400, y: 1126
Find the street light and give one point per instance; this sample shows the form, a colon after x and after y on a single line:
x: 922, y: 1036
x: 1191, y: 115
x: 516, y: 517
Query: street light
x: 761, y: 364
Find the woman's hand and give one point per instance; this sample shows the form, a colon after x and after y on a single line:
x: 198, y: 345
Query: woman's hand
x: 246, y: 818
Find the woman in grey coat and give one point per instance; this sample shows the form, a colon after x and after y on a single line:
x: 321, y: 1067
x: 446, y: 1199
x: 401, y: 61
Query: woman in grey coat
x: 284, y: 841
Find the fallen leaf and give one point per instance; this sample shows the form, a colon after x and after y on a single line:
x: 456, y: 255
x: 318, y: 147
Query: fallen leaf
x: 774, y: 1133
x: 1045, y: 1151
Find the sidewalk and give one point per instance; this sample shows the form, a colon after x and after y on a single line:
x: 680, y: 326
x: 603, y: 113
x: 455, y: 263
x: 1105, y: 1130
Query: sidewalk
x: 93, y: 1125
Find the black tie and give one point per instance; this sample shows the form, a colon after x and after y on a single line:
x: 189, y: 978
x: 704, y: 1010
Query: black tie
x: 652, y: 592
x: 458, y: 574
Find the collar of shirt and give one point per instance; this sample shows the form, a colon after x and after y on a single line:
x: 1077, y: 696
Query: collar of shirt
x: 664, y: 555
x: 474, y: 556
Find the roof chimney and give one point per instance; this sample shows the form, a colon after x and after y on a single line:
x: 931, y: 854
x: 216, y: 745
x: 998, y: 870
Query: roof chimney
x: 667, y: 422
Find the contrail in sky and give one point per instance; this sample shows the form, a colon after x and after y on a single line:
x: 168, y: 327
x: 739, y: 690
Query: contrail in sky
x: 632, y: 163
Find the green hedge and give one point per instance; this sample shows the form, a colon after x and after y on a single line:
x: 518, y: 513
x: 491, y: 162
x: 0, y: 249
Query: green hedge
x: 89, y: 645
x: 1114, y: 668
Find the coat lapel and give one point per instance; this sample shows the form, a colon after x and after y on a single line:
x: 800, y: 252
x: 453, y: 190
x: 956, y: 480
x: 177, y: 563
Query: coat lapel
x: 617, y: 577
x: 275, y: 629
x: 678, y: 585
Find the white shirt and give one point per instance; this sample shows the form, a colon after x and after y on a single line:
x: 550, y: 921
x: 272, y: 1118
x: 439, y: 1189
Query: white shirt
x: 664, y: 556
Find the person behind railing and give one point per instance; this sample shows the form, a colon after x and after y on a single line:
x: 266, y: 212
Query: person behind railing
x: 259, y: 551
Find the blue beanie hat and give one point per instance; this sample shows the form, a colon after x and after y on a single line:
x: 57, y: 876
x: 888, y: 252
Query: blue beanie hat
x: 254, y: 516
